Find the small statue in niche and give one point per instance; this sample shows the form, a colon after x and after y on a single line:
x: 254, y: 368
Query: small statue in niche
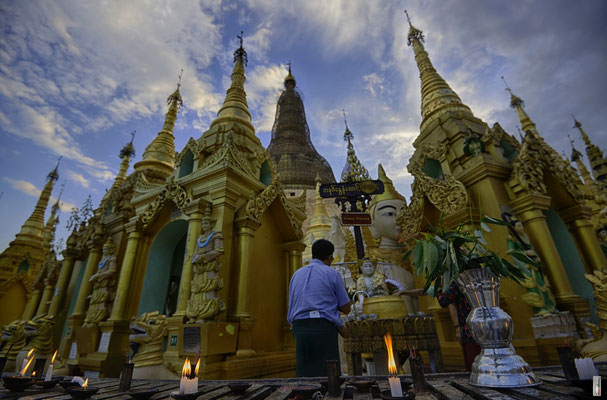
x: 104, y: 282
x: 204, y: 302
x: 473, y: 144
x: 539, y: 295
x: 372, y: 282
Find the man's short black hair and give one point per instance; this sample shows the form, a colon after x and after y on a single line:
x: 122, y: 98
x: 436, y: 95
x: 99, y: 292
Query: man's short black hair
x: 322, y: 249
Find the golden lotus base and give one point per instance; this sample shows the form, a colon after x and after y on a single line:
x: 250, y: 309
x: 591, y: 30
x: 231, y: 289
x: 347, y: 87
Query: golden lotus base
x: 385, y: 307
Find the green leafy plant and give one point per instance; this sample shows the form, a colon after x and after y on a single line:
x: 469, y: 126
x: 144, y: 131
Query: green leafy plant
x: 441, y: 255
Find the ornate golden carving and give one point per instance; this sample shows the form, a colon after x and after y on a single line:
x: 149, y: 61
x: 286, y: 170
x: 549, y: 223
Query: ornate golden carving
x: 13, y: 335
x: 228, y: 155
x: 42, y: 336
x: 534, y: 159
x: 257, y: 205
x: 20, y: 277
x: 448, y: 195
x: 149, y: 329
x: 597, y: 348
x: 193, y: 146
x: 172, y: 191
x: 143, y: 185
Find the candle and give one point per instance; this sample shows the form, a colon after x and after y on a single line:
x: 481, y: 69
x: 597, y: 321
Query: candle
x: 49, y: 370
x: 396, y: 390
x: 185, y: 373
x: 26, y: 359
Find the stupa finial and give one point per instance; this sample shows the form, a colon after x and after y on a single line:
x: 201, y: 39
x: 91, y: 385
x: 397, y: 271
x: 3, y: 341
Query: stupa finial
x: 240, y: 52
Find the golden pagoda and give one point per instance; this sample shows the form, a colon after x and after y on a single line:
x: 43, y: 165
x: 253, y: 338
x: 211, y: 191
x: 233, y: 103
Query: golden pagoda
x: 156, y: 219
x: 464, y: 170
x: 21, y: 261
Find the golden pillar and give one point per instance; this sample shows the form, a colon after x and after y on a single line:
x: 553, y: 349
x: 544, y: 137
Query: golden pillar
x: 577, y: 219
x: 85, y: 285
x: 32, y: 305
x: 187, y: 273
x: 47, y: 294
x: 245, y: 232
x: 124, y: 280
x: 69, y: 260
x: 528, y: 209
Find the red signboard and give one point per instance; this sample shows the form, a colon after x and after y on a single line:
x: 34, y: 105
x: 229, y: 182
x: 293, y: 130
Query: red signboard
x: 350, y: 219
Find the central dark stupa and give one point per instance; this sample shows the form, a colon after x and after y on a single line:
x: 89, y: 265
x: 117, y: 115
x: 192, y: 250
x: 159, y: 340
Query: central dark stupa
x: 297, y: 160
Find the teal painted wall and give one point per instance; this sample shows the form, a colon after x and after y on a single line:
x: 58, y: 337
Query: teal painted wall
x: 571, y: 259
x: 74, y: 293
x: 160, y: 262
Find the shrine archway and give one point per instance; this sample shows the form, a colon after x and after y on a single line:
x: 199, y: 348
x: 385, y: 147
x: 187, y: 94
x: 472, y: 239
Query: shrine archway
x: 163, y: 271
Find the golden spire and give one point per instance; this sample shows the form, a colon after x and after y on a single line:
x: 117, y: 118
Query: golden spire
x: 126, y: 153
x: 437, y: 97
x: 598, y: 163
x: 34, y: 226
x: 235, y: 107
x: 290, y: 79
x: 577, y: 157
x: 48, y: 237
x: 353, y: 171
x: 158, y: 159
x: 516, y: 102
x: 389, y: 193
x: 320, y: 221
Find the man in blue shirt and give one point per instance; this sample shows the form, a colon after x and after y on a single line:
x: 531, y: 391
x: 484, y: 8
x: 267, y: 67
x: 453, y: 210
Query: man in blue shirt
x: 316, y: 296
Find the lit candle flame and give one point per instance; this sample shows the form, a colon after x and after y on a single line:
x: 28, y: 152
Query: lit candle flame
x: 33, y: 374
x: 391, y: 363
x: 86, y: 383
x: 197, y: 368
x: 187, y: 368
x: 29, y: 353
x: 53, y: 359
x: 26, y: 366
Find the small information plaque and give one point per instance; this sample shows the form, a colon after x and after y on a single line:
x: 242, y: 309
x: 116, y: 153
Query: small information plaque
x: 191, y: 339
x: 104, y: 342
x: 73, y: 351
x: 91, y: 374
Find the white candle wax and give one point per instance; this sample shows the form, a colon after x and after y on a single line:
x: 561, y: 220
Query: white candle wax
x: 396, y: 390
x: 195, y: 385
x: 49, y: 373
x: 182, y: 385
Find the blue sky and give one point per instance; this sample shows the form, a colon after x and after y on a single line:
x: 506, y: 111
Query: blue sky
x: 76, y: 77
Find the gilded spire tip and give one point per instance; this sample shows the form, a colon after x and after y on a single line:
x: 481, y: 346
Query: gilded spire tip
x: 408, y: 19
x: 514, y: 99
x: 414, y: 33
x: 240, y: 52
x: 179, y: 81
x: 128, y: 150
x: 54, y: 175
x: 347, y: 134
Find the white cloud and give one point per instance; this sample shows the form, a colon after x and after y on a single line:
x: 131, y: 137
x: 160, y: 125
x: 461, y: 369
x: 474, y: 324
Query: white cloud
x: 374, y: 83
x: 78, y: 178
x: 31, y: 190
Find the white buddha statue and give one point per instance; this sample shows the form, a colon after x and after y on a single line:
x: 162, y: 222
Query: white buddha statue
x: 389, y: 253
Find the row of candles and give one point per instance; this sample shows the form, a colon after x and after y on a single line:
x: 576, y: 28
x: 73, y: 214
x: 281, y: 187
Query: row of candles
x: 29, y: 358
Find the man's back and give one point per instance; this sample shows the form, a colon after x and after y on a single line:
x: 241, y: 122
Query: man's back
x: 316, y: 291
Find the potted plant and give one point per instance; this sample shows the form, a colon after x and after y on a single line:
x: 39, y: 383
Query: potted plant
x: 446, y: 256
